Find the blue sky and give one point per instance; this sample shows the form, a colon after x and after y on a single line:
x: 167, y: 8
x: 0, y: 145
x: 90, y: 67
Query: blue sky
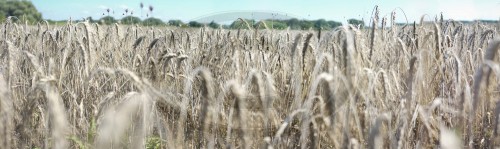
x: 339, y: 10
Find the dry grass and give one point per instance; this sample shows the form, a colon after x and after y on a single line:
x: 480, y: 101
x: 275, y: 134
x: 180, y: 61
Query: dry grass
x: 89, y: 86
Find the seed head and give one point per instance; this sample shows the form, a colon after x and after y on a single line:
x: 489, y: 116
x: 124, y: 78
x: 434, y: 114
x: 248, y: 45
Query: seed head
x: 142, y: 5
x: 150, y: 8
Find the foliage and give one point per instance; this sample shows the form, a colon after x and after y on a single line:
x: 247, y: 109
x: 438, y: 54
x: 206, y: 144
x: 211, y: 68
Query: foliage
x: 195, y: 24
x: 214, y: 25
x: 108, y: 20
x: 239, y: 24
x: 275, y: 24
x: 153, y: 143
x: 2, y: 16
x: 321, y: 24
x: 334, y: 24
x: 22, y: 9
x: 356, y: 22
x: 153, y: 22
x: 305, y: 25
x: 278, y: 25
x: 177, y: 23
x: 293, y: 23
x: 90, y: 19
x: 130, y: 20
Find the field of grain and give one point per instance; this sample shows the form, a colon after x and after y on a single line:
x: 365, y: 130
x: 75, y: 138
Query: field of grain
x: 82, y: 85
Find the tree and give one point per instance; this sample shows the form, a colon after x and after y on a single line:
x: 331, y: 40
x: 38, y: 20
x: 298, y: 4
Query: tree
x: 130, y: 20
x: 240, y: 24
x: 305, y: 25
x: 293, y: 23
x: 153, y: 22
x: 213, y: 25
x: 279, y: 25
x: 195, y: 24
x: 275, y: 24
x: 90, y: 19
x: 321, y: 24
x: 356, y: 22
x: 334, y: 24
x: 107, y: 20
x: 177, y: 23
x: 23, y: 10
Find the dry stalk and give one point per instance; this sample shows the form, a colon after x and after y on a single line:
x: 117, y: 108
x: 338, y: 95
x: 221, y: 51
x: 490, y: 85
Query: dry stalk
x: 6, y: 115
x: 376, y: 137
x: 59, y: 124
x: 478, y: 76
x: 237, y: 107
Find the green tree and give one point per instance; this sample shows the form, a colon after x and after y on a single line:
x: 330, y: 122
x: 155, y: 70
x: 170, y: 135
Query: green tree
x: 107, y: 20
x: 130, y: 20
x: 356, y: 22
x: 195, y: 24
x: 305, y: 25
x: 23, y: 10
x: 334, y: 24
x: 293, y: 23
x: 90, y: 19
x: 177, y: 23
x: 275, y: 24
x: 153, y: 22
x: 321, y: 24
x: 213, y: 25
x: 240, y: 24
x: 279, y: 25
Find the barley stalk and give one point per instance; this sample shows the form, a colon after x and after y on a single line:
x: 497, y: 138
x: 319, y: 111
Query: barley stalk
x: 478, y: 76
x: 6, y: 103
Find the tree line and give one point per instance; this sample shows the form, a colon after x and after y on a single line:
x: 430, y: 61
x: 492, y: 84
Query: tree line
x: 25, y: 11
x: 293, y: 23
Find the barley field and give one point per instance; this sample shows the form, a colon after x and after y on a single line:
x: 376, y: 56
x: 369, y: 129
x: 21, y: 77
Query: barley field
x: 83, y: 85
